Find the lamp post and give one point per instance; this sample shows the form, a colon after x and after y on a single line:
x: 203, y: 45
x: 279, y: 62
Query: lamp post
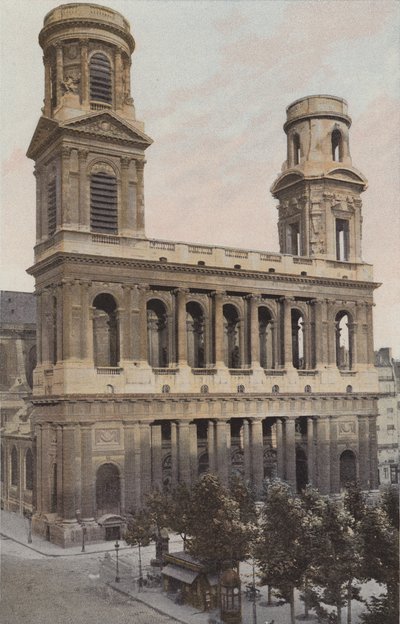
x: 83, y: 526
x: 116, y: 546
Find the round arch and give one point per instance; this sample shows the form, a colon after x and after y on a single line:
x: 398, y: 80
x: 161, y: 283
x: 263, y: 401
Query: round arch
x: 158, y: 351
x: 108, y: 489
x: 105, y: 330
x: 348, y: 467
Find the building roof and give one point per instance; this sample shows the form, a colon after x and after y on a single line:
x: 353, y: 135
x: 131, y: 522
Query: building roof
x: 17, y: 307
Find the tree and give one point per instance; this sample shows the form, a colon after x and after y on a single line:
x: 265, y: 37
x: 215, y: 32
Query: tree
x: 355, y: 504
x: 245, y: 497
x: 280, y: 551
x: 179, y: 511
x: 158, y: 507
x: 218, y: 537
x: 139, y: 532
x: 390, y: 505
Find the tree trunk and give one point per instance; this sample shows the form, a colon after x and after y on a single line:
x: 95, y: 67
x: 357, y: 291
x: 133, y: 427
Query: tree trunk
x: 292, y: 613
x: 269, y: 599
x: 306, y: 599
x: 339, y: 613
x: 349, y: 594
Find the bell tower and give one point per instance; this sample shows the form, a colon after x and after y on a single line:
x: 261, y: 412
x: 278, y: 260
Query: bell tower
x: 319, y: 189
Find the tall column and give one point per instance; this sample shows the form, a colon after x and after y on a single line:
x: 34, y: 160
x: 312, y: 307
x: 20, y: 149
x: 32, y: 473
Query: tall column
x: 183, y: 452
x: 333, y: 456
x: 222, y: 450
x: 143, y: 290
x: 323, y: 454
x: 290, y: 451
x: 126, y: 225
x: 319, y: 333
x: 125, y: 329
x: 118, y: 79
x: 310, y: 451
x: 47, y: 84
x: 254, y: 332
x: 84, y: 205
x: 246, y: 450
x: 370, y: 333
x: 64, y: 313
x: 140, y: 196
x: 287, y: 333
x: 84, y: 45
x: 129, y: 466
x: 181, y: 295
x: 59, y: 71
x: 194, y: 461
x: 69, y: 477
x: 219, y: 329
x: 87, y: 474
x: 212, y: 460
x: 174, y: 454
x: 373, y: 453
x: 63, y: 215
x: 363, y: 452
x: 257, y: 455
x: 353, y: 340
x: 330, y: 331
x: 46, y: 469
x: 46, y: 320
x: 156, y: 456
x: 280, y: 450
x: 145, y: 454
x: 307, y: 344
x: 59, y: 473
x: 39, y: 473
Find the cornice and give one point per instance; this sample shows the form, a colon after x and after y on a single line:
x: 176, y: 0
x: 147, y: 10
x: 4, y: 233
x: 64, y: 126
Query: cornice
x: 69, y: 23
x: 60, y: 258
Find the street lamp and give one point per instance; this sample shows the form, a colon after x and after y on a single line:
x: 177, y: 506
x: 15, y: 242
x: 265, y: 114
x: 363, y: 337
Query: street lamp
x: 116, y: 546
x: 83, y: 525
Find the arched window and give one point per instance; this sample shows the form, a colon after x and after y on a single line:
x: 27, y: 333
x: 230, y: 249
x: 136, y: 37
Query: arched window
x: 232, y: 355
x: 307, y: 389
x: 100, y: 79
x: 105, y: 331
x: 275, y: 389
x: 103, y: 203
x: 349, y: 389
x: 195, y: 335
x: 166, y: 389
x: 343, y: 341
x: 337, y: 145
x: 14, y: 466
x: 157, y: 334
x: 297, y: 339
x: 108, y: 490
x: 240, y: 389
x: 265, y: 337
x: 348, y: 468
x: 296, y: 149
x: 204, y: 389
x: 29, y: 470
x: 203, y: 464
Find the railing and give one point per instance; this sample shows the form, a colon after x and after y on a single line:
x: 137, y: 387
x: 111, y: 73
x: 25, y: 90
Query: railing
x: 240, y: 371
x: 204, y: 371
x: 236, y: 253
x: 165, y: 371
x: 270, y: 257
x: 274, y: 372
x: 307, y: 373
x: 105, y: 238
x: 162, y: 245
x: 109, y: 370
x: 200, y: 249
x: 297, y: 260
x: 99, y: 105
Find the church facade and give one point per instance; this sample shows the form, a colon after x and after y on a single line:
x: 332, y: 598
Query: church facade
x: 158, y: 361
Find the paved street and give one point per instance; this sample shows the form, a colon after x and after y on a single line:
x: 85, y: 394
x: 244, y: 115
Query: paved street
x: 41, y: 590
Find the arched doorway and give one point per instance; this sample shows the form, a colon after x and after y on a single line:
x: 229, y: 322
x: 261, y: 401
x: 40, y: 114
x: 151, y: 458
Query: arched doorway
x: 301, y: 469
x: 348, y: 468
x: 108, y: 490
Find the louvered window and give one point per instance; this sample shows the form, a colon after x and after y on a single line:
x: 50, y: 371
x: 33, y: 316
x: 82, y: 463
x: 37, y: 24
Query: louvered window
x: 103, y: 203
x: 100, y: 79
x: 51, y: 207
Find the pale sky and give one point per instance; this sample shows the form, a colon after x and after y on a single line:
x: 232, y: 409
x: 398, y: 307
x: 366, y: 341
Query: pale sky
x: 211, y: 81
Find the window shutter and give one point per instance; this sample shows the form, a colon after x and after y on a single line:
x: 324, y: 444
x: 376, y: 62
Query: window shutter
x: 51, y: 207
x: 100, y: 79
x: 103, y: 203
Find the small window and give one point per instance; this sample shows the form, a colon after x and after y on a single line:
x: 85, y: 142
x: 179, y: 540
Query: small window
x: 240, y: 389
x: 29, y: 470
x: 293, y: 239
x: 204, y: 389
x: 166, y: 389
x: 296, y: 149
x: 337, y: 146
x: 51, y: 207
x: 349, y: 389
x: 342, y: 239
x: 307, y: 389
x: 103, y: 203
x: 100, y: 79
x: 275, y: 389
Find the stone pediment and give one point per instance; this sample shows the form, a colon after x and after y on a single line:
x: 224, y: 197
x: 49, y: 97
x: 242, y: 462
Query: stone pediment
x: 287, y: 179
x: 345, y: 174
x: 109, y: 126
x: 103, y: 125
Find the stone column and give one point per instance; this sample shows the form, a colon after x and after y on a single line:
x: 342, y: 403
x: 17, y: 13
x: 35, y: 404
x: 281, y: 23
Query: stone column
x: 38, y: 173
x: 353, y: 340
x: 287, y: 333
x: 280, y: 450
x: 290, y: 452
x: 46, y: 330
x: 184, y: 452
x: 254, y: 332
x: 145, y: 454
x: 87, y: 475
x: 69, y: 477
x: 39, y: 473
x: 140, y: 196
x: 334, y: 458
x: 125, y: 216
x: 64, y: 306
x: 47, y: 84
x: 307, y: 338
x: 212, y: 460
x: 323, y: 454
x: 319, y: 334
x: 181, y: 296
x: 257, y: 454
x: 310, y: 451
x: 143, y: 290
x: 59, y: 71
x: 370, y: 333
x: 46, y: 468
x: 330, y: 330
x: 63, y: 215
x: 59, y: 472
x: 38, y: 295
x: 125, y: 330
x: 132, y: 465
x: 246, y: 450
x: 219, y: 329
x: 118, y: 79
x: 373, y: 453
x: 363, y: 452
x: 156, y: 456
x: 84, y: 205
x: 84, y: 45
x: 222, y: 451
x: 194, y: 460
x: 174, y: 454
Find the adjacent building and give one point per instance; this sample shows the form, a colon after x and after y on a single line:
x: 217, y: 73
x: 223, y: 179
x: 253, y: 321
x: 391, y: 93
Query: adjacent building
x: 157, y: 360
x: 389, y: 417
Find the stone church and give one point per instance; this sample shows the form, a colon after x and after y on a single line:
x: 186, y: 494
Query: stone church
x: 158, y: 361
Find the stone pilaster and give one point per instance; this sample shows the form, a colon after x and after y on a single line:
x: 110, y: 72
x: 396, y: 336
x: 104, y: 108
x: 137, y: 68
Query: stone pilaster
x: 118, y: 79
x: 254, y: 332
x: 211, y: 442
x: 63, y: 215
x: 174, y: 453
x: 47, y: 84
x: 310, y: 451
x: 140, y: 196
x: 219, y: 329
x: 156, y: 456
x: 222, y: 450
x: 287, y: 333
x: 69, y: 476
x: 194, y: 460
x: 84, y: 204
x: 323, y: 454
x: 143, y: 290
x: 280, y: 450
x: 246, y: 450
x: 373, y: 453
x: 39, y: 473
x: 334, y: 456
x: 145, y: 454
x: 184, y: 452
x: 363, y: 452
x: 84, y: 45
x: 59, y: 71
x: 181, y: 297
x: 257, y: 454
x: 46, y: 468
x: 59, y: 503
x: 87, y: 474
x: 290, y: 452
